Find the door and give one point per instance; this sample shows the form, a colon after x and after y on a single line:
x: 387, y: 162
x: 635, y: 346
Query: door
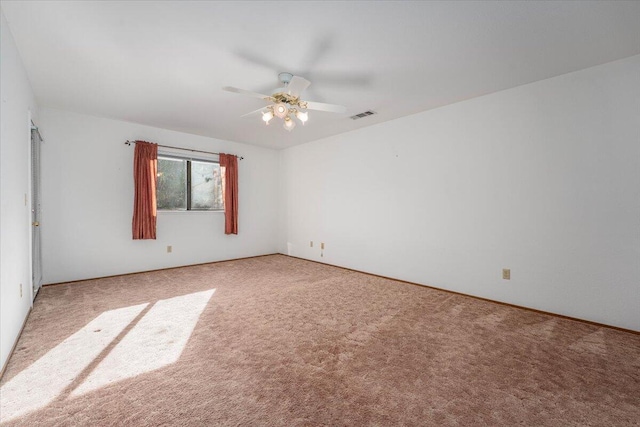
x: 36, y: 256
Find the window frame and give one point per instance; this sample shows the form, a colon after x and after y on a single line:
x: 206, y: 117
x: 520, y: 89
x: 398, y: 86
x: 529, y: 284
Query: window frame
x: 188, y: 160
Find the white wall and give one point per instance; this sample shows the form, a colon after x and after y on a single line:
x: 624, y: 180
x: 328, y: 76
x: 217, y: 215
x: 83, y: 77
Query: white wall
x: 17, y: 103
x: 543, y: 179
x: 87, y: 204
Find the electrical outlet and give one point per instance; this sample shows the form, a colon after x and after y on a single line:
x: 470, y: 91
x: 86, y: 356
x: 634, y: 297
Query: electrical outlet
x: 506, y: 274
x: 311, y: 244
x: 20, y: 290
x: 322, y: 245
x: 169, y: 249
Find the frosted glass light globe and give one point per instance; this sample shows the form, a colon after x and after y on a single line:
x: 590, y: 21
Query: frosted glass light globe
x: 289, y: 124
x: 267, y: 115
x: 303, y: 116
x: 280, y: 110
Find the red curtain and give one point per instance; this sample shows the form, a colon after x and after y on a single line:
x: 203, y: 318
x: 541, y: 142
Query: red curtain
x: 145, y: 177
x: 230, y: 164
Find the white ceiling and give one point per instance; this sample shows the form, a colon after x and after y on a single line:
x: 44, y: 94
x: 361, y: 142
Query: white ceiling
x: 163, y: 63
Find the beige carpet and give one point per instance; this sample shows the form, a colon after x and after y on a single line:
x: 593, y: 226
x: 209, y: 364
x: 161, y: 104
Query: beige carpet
x: 285, y: 342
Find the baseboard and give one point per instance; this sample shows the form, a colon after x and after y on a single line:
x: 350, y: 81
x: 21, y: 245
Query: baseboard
x: 157, y: 269
x: 13, y: 348
x: 548, y: 313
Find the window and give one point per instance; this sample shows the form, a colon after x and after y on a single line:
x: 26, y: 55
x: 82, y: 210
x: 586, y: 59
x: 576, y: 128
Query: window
x: 189, y: 185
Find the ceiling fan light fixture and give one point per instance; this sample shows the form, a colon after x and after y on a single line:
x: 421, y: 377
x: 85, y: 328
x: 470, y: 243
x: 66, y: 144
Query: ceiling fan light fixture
x: 285, y: 103
x: 289, y: 124
x: 280, y: 110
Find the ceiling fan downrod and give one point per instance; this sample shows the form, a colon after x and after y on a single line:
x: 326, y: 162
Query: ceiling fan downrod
x: 285, y: 78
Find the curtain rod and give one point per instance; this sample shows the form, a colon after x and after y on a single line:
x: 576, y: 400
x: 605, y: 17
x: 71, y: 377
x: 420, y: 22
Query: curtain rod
x: 186, y: 149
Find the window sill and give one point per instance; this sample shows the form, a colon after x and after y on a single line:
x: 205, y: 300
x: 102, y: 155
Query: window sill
x: 188, y: 212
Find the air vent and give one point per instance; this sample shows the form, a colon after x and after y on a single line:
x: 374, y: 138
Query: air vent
x: 361, y: 115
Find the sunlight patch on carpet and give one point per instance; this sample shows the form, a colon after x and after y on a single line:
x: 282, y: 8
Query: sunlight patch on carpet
x: 39, y: 384
x: 155, y: 342
x: 542, y: 330
x: 594, y: 342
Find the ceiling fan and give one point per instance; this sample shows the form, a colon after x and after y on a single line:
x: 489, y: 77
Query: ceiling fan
x: 285, y: 102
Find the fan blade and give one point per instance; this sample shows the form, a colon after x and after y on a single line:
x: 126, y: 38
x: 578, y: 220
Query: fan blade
x: 340, y: 78
x: 247, y: 92
x: 297, y: 85
x: 320, y: 106
x: 260, y: 60
x: 259, y: 110
x: 317, y: 50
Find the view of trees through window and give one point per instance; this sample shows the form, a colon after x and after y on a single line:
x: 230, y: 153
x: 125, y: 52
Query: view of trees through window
x: 172, y: 184
x: 189, y: 185
x: 206, y: 186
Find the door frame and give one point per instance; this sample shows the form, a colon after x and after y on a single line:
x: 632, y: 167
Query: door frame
x: 29, y: 202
